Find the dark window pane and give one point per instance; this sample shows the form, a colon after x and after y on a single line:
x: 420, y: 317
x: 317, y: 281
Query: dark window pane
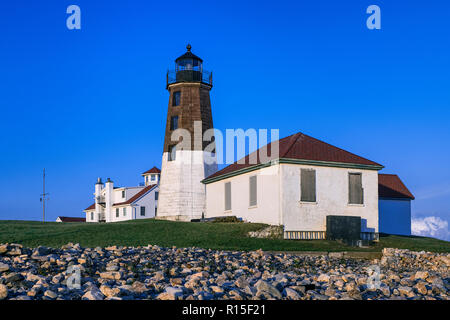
x: 227, y: 196
x: 174, y: 123
x: 308, y: 185
x: 172, y: 153
x: 142, y: 211
x: 253, y: 190
x: 355, y: 190
x: 176, y: 98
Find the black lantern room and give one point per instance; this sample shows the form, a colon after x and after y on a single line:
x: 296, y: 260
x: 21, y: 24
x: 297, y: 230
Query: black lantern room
x: 189, y: 68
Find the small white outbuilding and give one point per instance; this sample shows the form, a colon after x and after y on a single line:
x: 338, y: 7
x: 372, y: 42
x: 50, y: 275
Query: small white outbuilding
x: 394, y: 205
x: 298, y: 188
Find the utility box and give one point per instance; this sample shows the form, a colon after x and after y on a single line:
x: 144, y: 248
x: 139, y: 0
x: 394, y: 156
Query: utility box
x: 344, y: 228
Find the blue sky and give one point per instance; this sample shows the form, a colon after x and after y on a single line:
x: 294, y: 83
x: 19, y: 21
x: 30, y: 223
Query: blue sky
x: 92, y: 102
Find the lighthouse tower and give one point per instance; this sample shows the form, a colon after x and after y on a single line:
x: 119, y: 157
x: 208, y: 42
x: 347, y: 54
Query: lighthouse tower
x: 188, y: 158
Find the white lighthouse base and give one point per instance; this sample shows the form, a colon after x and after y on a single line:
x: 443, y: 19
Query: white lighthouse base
x: 182, y: 196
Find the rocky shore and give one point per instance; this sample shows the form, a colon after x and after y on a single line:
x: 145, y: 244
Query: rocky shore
x: 152, y: 272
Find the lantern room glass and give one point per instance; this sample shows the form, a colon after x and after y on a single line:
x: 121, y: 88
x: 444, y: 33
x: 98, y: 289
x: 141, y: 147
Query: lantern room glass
x: 189, y: 64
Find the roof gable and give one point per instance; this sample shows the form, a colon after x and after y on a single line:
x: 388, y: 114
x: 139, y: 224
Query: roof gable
x: 390, y: 186
x: 137, y: 196
x: 152, y: 170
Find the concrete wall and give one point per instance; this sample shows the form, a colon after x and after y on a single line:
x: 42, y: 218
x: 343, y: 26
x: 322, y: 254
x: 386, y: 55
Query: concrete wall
x: 267, y: 209
x: 182, y: 195
x: 395, y: 216
x: 331, y: 198
x: 279, y: 203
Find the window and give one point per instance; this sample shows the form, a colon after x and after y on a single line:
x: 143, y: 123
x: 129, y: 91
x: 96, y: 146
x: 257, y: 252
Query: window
x: 227, y: 196
x: 142, y: 211
x: 146, y: 178
x: 92, y: 216
x: 156, y: 195
x: 253, y: 191
x: 172, y: 153
x: 123, y: 194
x: 124, y: 211
x: 355, y: 189
x: 308, y: 185
x: 117, y: 212
x: 153, y: 177
x: 176, y: 98
x: 174, y: 123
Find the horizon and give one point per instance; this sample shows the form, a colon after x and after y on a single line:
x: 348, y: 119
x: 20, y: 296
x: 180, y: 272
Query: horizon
x: 92, y: 102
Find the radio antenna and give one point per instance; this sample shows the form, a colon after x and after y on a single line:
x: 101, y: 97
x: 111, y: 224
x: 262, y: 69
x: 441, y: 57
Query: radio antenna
x: 44, y: 198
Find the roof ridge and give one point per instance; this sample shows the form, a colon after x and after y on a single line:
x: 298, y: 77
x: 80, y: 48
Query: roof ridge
x: 332, y: 145
x: 137, y: 196
x: 294, y: 141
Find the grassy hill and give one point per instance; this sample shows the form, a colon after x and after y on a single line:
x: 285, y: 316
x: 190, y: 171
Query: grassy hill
x: 230, y: 236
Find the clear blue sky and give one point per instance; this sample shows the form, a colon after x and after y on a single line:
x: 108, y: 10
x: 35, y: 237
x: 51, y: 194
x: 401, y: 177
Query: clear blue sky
x: 92, y: 102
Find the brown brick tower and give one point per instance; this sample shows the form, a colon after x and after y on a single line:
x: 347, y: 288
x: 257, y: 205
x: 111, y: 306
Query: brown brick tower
x: 187, y: 160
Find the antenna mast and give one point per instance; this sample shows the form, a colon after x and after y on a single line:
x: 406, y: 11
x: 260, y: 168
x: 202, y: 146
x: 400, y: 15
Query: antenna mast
x: 43, y: 198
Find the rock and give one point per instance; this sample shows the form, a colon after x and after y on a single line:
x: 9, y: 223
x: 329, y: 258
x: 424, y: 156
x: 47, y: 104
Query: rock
x: 41, y: 251
x: 15, y: 251
x: 171, y: 293
x: 405, y: 290
x: 264, y: 287
x: 3, y: 248
x: 112, y: 268
x: 200, y: 275
x: 354, y: 294
x: 109, y: 292
x: 3, y: 267
x: 351, y: 286
x: 216, y: 289
x: 50, y: 294
x: 385, y: 290
x: 111, y: 275
x: 93, y: 294
x: 330, y: 292
x: 323, y: 278
x: 421, y: 288
x: 3, y: 291
x: 421, y: 275
x: 291, y: 294
x: 13, y: 277
x: 176, y: 281
x: 138, y: 287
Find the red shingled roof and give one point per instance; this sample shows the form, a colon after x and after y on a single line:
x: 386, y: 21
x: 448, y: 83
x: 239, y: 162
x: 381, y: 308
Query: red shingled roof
x: 91, y: 207
x: 72, y: 219
x: 390, y: 186
x: 152, y: 170
x: 136, y: 196
x: 301, y: 147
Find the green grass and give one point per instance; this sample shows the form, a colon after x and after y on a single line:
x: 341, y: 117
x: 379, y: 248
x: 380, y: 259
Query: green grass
x: 229, y: 236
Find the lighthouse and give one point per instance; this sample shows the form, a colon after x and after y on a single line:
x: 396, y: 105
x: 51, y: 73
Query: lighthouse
x: 188, y: 157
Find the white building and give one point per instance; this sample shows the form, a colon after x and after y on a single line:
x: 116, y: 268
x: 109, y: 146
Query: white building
x: 307, y: 182
x: 114, y: 204
x: 394, y: 205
